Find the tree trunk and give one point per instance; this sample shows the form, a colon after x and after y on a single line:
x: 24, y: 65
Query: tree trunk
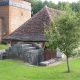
x: 68, y: 65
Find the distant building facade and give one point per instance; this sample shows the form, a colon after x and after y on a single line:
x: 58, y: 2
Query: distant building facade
x: 13, y: 13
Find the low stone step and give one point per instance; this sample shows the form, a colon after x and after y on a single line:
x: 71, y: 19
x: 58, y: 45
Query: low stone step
x: 26, y: 45
x: 33, y: 51
x: 45, y: 63
x: 30, y: 48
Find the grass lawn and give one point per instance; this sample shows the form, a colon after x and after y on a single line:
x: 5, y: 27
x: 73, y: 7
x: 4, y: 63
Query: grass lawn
x: 2, y: 46
x: 14, y: 70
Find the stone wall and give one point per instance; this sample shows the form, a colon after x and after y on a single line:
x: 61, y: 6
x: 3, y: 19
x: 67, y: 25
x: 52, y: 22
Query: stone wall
x: 30, y: 53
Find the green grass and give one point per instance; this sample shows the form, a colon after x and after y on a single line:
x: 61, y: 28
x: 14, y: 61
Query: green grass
x: 3, y: 46
x: 14, y: 70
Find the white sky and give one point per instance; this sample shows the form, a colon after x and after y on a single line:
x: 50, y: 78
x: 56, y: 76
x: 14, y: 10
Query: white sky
x: 56, y: 1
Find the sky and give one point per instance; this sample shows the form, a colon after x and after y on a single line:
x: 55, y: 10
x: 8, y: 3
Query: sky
x: 56, y: 1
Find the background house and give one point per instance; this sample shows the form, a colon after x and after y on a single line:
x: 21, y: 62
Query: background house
x: 13, y: 13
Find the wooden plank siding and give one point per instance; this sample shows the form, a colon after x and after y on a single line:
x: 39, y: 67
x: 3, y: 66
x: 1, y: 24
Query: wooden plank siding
x: 49, y: 54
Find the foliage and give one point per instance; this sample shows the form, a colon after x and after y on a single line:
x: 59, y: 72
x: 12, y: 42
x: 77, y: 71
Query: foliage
x: 64, y: 32
x: 14, y: 70
x: 39, y: 4
x: 76, y: 6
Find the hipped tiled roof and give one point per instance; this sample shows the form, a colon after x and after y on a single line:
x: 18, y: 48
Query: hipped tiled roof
x: 33, y: 29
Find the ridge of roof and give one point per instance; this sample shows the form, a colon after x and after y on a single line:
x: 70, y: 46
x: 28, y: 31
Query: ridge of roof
x: 49, y: 13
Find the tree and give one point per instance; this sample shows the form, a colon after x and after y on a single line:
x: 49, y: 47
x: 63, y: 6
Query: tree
x: 74, y: 6
x: 64, y: 33
x: 38, y: 5
x: 78, y: 6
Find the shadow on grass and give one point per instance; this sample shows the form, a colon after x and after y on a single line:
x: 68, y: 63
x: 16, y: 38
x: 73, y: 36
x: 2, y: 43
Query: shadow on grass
x: 67, y: 72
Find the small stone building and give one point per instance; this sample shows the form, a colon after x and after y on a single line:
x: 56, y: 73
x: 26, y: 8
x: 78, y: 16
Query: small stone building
x: 32, y: 31
x: 13, y: 13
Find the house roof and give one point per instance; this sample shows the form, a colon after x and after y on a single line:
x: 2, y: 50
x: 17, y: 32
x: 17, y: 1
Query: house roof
x: 33, y: 29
